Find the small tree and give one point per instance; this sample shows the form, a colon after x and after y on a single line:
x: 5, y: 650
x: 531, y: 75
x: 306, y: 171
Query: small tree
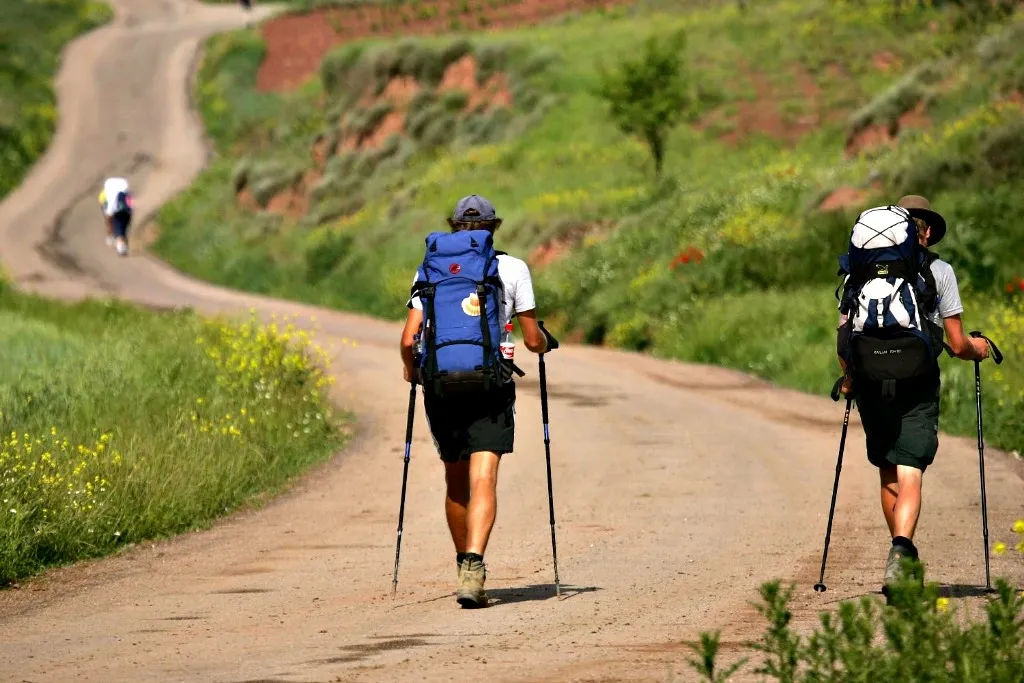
x: 648, y: 95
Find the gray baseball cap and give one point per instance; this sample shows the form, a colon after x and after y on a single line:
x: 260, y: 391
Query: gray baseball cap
x: 474, y: 208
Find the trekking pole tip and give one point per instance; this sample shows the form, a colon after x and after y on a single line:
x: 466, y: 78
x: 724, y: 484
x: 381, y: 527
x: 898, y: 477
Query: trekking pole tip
x: 820, y: 588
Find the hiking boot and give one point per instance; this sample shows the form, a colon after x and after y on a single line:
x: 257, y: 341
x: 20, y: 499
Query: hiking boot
x: 472, y: 575
x: 893, y: 570
x: 122, y: 246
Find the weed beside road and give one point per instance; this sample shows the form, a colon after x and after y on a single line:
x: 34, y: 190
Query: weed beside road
x: 119, y: 424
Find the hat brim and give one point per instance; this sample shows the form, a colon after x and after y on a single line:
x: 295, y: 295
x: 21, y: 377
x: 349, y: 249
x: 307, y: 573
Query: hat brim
x: 936, y: 222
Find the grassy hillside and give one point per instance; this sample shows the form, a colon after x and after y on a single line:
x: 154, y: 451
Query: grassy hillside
x: 325, y: 193
x: 118, y: 425
x: 32, y: 34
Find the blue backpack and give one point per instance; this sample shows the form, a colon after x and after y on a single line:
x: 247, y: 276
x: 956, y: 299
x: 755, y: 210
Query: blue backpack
x: 888, y: 296
x: 461, y: 292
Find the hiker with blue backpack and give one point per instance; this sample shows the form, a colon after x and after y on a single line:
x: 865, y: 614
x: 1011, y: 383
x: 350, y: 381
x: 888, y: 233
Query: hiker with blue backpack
x: 899, y: 308
x: 457, y: 346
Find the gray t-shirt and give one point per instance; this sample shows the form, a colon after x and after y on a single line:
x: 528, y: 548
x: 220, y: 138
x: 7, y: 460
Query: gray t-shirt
x: 948, y: 299
x: 949, y: 303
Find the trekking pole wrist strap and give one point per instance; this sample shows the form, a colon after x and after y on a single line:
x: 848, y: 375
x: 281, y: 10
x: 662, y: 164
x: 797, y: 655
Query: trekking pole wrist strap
x: 997, y: 355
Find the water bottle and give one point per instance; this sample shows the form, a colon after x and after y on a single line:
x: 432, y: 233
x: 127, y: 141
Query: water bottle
x: 508, y: 344
x: 508, y: 352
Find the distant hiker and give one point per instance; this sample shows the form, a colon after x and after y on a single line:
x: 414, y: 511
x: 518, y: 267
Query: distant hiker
x: 246, y: 4
x: 898, y: 299
x: 116, y: 201
x: 466, y: 292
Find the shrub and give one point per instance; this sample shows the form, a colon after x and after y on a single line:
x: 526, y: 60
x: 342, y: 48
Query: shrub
x: 419, y: 120
x: 325, y: 254
x: 490, y: 60
x: 454, y: 51
x: 240, y: 174
x: 917, y: 638
x: 454, y: 101
x: 438, y: 131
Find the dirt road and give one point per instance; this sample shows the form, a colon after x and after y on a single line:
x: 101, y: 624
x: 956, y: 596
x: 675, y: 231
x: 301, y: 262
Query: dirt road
x: 678, y: 488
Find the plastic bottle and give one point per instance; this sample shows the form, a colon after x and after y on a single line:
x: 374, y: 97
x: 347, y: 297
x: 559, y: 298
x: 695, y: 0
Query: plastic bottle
x: 508, y: 344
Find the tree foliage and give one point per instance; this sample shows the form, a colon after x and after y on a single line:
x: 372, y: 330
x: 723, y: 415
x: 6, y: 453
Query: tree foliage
x: 647, y: 95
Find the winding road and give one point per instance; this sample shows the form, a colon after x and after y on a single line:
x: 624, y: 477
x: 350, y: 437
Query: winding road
x: 678, y: 488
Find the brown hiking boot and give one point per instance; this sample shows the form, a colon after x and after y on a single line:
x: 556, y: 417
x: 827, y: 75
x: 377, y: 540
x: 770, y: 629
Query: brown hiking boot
x: 472, y: 575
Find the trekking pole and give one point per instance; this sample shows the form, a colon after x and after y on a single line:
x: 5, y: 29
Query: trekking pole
x: 405, y: 479
x: 820, y: 586
x: 547, y: 455
x: 997, y: 357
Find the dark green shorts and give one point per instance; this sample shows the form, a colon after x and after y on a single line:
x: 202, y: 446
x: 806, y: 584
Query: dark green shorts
x: 903, y: 431
x: 463, y: 425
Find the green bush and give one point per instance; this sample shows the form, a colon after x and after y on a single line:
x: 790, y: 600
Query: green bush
x: 454, y: 101
x: 323, y: 256
x: 917, y: 638
x: 491, y: 59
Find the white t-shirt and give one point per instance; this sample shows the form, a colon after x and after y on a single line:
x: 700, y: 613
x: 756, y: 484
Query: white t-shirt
x: 517, y: 286
x: 111, y: 188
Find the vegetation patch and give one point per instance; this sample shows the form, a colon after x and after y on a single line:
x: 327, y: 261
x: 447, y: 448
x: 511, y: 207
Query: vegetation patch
x: 119, y: 425
x: 32, y: 34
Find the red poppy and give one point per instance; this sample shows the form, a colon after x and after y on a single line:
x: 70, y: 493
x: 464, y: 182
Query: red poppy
x: 1009, y: 288
x: 1020, y: 284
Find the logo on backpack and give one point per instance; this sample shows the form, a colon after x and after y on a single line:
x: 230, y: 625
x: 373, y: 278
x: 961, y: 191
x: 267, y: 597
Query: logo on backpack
x: 888, y: 298
x: 462, y: 294
x: 471, y: 305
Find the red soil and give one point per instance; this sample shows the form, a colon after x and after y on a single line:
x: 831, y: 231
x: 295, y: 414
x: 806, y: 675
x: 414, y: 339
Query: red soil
x: 765, y: 116
x: 876, y: 136
x: 297, y: 43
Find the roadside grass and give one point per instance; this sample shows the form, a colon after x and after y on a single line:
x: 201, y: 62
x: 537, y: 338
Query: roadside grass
x: 729, y: 260
x: 119, y: 424
x: 32, y: 35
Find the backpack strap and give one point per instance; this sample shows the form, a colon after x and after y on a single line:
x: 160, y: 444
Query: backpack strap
x: 425, y: 290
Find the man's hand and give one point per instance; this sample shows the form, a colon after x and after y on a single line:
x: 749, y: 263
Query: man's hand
x: 980, y: 345
x: 846, y: 388
x: 552, y: 343
x: 409, y: 374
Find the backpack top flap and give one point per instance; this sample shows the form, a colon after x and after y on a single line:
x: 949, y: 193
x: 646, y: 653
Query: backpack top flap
x: 882, y: 235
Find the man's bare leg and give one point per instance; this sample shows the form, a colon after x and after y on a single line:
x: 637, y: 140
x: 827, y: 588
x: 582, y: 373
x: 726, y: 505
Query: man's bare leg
x: 908, y: 504
x: 890, y: 492
x: 483, y: 500
x: 456, y: 476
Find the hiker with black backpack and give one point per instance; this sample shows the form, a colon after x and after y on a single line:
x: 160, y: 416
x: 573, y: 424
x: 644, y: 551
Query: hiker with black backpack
x: 455, y: 345
x: 898, y: 301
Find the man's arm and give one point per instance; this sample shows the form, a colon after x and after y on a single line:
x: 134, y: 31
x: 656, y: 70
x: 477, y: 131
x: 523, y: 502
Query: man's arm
x: 412, y: 327
x: 963, y: 346
x: 532, y: 336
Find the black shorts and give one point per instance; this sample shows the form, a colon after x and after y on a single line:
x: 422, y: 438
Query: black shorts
x: 905, y: 430
x: 121, y: 221
x: 462, y: 425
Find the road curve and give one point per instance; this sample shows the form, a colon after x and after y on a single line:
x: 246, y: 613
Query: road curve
x: 678, y: 488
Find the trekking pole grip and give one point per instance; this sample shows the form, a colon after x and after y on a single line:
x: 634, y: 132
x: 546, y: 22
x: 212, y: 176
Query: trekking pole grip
x: 997, y: 355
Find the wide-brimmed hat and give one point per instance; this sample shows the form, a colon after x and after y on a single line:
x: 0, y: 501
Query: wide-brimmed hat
x: 919, y: 207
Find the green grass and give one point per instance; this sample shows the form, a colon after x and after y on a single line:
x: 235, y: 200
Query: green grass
x: 119, y: 424
x: 32, y: 34
x: 567, y: 177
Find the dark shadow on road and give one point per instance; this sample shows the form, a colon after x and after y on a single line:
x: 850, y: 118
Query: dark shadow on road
x: 959, y: 590
x: 542, y: 591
